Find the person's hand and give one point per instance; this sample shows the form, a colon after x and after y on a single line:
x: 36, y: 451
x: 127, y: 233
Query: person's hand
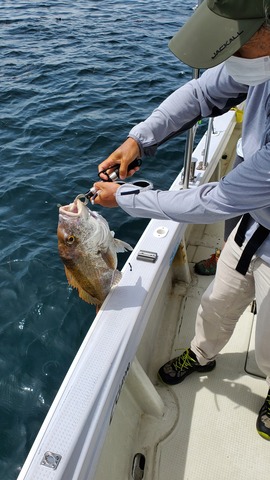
x: 123, y: 155
x: 106, y: 194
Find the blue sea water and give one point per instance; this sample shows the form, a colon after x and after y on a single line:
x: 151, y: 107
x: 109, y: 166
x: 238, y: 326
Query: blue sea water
x: 74, y: 78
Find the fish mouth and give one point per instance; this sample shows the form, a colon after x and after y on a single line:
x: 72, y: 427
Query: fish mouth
x: 76, y: 209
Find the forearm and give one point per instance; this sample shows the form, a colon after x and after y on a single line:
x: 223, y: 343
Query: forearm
x: 177, y: 113
x: 211, y: 95
x: 186, y: 206
x: 244, y: 189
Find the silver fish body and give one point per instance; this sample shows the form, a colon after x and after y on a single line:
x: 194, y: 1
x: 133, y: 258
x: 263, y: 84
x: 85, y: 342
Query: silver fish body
x: 89, y: 251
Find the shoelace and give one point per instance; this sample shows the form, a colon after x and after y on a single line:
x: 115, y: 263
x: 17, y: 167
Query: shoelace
x: 267, y: 401
x: 184, y: 361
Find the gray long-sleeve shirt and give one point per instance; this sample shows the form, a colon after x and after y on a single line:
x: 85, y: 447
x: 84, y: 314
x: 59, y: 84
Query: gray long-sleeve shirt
x: 245, y: 189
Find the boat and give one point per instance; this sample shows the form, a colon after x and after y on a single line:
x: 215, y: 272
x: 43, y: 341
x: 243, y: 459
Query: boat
x: 112, y: 418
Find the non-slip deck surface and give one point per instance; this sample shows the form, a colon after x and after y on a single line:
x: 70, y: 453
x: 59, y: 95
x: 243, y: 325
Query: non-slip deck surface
x: 215, y: 436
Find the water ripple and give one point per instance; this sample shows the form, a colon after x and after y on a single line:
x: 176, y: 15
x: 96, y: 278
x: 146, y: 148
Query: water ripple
x: 75, y: 77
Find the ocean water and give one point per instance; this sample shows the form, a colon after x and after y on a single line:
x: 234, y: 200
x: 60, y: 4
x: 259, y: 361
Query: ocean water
x: 74, y: 78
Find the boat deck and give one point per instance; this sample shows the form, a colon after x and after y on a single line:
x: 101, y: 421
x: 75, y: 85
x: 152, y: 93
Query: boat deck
x: 211, y: 425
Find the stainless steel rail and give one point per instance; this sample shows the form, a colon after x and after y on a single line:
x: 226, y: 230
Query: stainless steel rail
x: 189, y: 144
x: 189, y: 166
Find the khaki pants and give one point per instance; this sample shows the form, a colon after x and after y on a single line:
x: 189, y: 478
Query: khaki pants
x: 224, y: 302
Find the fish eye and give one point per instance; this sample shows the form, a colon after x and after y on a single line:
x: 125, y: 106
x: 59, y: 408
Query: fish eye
x: 70, y: 239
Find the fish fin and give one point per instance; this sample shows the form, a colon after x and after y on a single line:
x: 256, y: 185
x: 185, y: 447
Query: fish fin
x: 109, y: 259
x: 71, y: 279
x: 112, y: 233
x: 82, y: 293
x: 87, y: 297
x: 121, y: 246
x: 116, y: 277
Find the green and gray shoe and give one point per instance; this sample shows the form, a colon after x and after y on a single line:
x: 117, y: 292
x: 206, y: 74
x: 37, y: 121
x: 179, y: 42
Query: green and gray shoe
x: 177, y: 369
x: 263, y: 420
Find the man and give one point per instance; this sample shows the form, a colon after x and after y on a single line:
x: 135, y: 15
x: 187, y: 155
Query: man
x: 231, y: 39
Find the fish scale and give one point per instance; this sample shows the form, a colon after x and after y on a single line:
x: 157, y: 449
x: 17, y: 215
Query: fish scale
x: 88, y: 250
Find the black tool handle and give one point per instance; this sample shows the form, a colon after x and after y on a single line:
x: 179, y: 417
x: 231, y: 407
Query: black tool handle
x: 114, y: 175
x: 136, y: 163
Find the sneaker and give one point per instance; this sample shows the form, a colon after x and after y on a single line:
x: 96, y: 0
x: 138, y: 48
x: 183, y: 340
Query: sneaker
x: 177, y: 369
x: 208, y: 266
x: 263, y: 420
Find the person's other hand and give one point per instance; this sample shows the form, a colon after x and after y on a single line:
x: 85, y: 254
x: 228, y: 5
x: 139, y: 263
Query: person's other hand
x: 106, y: 194
x: 123, y: 155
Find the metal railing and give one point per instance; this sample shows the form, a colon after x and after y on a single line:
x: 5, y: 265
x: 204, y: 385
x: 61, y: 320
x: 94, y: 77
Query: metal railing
x: 189, y: 164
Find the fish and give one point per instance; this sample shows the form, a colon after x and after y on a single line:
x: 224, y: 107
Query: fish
x: 88, y: 250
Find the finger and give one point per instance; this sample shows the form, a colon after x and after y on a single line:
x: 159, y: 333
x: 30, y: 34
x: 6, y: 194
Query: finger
x: 98, y: 185
x: 123, y: 170
x: 106, y: 194
x: 113, y: 159
x: 95, y: 198
x: 131, y: 172
x: 104, y: 176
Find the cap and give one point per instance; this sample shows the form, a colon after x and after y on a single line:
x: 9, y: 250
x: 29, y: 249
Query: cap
x: 217, y: 29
